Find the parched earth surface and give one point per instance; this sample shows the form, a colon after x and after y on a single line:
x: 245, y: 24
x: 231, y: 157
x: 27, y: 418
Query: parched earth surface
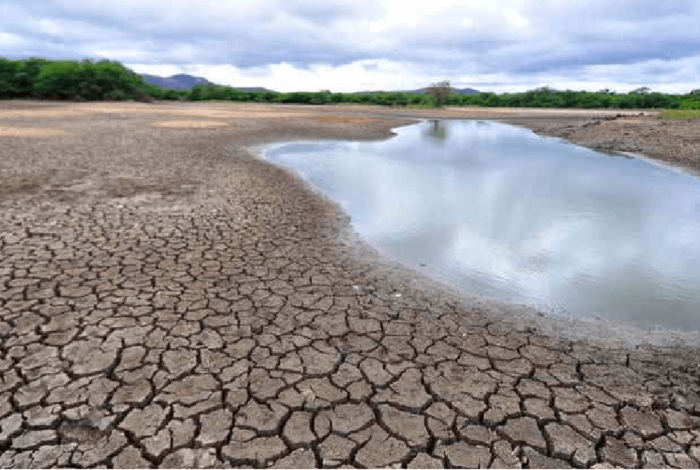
x: 167, y: 299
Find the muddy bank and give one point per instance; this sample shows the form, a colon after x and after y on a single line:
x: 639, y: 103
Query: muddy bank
x: 168, y: 299
x: 676, y: 142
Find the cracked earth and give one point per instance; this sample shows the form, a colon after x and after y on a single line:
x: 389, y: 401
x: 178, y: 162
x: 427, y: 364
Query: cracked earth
x: 169, y: 300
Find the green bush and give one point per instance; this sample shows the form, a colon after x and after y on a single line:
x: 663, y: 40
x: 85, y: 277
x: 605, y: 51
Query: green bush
x: 8, y: 71
x: 690, y: 103
x: 85, y: 80
x: 58, y: 80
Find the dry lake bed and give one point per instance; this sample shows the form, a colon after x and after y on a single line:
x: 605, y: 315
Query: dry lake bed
x: 170, y: 299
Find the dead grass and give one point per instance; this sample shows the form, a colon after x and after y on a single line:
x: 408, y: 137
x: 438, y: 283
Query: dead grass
x: 210, y: 110
x: 343, y: 119
x: 190, y: 124
x: 669, y: 114
x: 31, y: 132
x: 248, y: 112
x: 187, y: 113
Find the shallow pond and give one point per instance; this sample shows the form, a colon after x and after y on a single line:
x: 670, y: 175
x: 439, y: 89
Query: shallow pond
x: 498, y: 211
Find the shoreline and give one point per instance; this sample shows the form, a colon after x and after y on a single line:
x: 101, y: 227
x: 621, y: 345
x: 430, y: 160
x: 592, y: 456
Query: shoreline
x: 673, y: 141
x: 170, y: 299
x: 604, y: 331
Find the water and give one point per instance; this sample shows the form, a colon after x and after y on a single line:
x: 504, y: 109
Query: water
x: 496, y: 210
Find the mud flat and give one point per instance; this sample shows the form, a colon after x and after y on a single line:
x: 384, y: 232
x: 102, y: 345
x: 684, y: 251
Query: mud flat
x: 169, y: 299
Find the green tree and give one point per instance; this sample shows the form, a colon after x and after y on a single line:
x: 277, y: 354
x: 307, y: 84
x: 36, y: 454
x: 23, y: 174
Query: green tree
x: 26, y: 74
x: 58, y: 80
x: 8, y: 69
x: 109, y: 80
x: 440, y: 92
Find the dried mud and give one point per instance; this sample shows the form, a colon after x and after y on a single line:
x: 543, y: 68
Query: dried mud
x: 167, y: 299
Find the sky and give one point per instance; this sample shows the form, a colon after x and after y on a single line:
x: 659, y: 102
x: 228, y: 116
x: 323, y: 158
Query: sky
x: 355, y: 45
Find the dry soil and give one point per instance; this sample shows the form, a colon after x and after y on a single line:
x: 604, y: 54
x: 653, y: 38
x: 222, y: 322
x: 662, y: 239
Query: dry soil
x: 169, y: 299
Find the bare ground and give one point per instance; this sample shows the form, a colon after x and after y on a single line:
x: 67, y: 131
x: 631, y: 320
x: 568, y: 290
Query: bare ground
x: 167, y: 299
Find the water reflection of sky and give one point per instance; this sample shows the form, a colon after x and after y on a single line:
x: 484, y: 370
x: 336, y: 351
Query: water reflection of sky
x: 499, y: 211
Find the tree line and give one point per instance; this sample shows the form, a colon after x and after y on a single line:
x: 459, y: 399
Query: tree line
x: 70, y: 80
x: 108, y: 80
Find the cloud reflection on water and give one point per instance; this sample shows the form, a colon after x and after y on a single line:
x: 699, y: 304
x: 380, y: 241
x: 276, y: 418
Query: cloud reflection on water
x: 499, y: 211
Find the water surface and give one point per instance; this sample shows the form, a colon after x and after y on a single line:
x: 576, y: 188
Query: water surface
x: 496, y: 210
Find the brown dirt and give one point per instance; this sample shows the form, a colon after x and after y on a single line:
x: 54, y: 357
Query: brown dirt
x: 16, y: 110
x: 344, y: 119
x: 190, y: 124
x: 6, y: 131
x: 168, y: 299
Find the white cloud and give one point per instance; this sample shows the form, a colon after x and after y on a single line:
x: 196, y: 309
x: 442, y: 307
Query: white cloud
x: 355, y: 76
x: 389, y: 44
x: 10, y: 40
x: 666, y: 76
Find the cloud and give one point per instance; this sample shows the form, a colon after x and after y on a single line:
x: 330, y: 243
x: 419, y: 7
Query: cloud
x: 355, y: 44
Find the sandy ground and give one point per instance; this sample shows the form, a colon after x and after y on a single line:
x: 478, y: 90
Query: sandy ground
x: 168, y: 299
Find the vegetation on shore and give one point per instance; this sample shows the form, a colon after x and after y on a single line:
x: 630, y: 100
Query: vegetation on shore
x: 108, y: 80
x: 671, y: 114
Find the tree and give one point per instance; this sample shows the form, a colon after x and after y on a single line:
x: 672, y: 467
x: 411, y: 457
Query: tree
x: 8, y: 69
x: 58, y: 80
x: 27, y: 72
x: 86, y: 80
x: 440, y: 92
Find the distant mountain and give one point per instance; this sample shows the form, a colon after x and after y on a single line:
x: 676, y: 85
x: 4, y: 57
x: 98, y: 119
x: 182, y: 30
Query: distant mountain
x: 466, y: 91
x: 181, y: 81
x: 459, y: 91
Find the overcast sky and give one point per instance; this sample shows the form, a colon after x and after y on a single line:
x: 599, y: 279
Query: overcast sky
x: 351, y: 45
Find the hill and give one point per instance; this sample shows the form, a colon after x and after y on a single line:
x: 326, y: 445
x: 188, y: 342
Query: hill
x: 181, y: 81
x: 457, y: 91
